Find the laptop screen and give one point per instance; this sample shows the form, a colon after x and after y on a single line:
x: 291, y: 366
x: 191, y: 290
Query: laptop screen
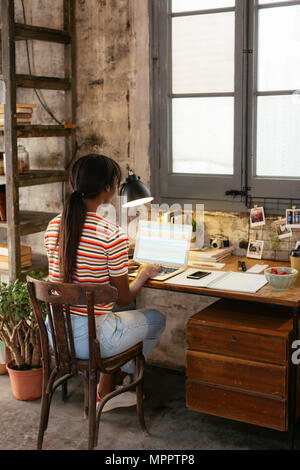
x: 165, y: 244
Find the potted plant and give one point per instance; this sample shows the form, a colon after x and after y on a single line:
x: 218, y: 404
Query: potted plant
x: 19, y: 332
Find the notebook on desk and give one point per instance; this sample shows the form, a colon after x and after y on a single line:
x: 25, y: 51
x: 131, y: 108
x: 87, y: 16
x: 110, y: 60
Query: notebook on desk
x: 228, y: 280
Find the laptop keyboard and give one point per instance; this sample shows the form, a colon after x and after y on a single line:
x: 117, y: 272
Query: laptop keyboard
x: 162, y: 271
x: 167, y: 270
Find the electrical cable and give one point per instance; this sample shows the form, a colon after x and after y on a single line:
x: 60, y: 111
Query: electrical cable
x: 44, y: 104
x: 42, y: 101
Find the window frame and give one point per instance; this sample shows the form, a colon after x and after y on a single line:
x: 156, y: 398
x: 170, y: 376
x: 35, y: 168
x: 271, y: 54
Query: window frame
x: 264, y: 186
x: 170, y: 188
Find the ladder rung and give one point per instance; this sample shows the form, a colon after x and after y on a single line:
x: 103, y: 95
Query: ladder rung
x: 37, y: 177
x: 46, y: 83
x: 23, y: 31
x: 32, y: 222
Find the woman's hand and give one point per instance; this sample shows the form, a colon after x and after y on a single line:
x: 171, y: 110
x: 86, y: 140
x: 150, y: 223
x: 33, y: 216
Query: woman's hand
x: 127, y: 291
x: 146, y: 271
x: 133, y: 265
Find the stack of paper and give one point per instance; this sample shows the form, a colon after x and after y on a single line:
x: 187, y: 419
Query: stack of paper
x: 24, y: 114
x: 26, y: 256
x: 212, y: 255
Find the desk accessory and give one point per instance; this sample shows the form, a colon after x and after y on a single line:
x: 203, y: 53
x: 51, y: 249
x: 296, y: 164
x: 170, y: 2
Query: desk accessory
x: 198, y: 275
x: 242, y: 266
x: 212, y: 255
x: 255, y: 249
x: 295, y: 262
x: 257, y: 216
x: 133, y: 192
x: 281, y: 282
x: 219, y: 241
x: 228, y: 280
x: 293, y: 217
x: 257, y: 268
x: 282, y: 229
x: 207, y: 265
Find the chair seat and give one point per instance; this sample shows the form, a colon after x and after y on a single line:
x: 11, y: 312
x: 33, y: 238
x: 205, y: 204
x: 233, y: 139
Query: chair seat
x: 112, y: 362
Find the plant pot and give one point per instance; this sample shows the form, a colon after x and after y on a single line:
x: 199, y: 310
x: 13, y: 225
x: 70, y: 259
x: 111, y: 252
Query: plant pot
x: 25, y: 384
x: 2, y: 205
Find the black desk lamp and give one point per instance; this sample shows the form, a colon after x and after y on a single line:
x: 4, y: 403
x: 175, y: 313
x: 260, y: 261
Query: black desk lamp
x: 133, y: 192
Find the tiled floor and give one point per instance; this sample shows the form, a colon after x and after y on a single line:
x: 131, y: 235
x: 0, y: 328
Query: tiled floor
x: 171, y: 425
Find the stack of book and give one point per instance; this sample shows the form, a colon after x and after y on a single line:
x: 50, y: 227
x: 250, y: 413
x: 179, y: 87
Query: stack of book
x: 24, y: 114
x: 26, y: 256
x: 212, y: 255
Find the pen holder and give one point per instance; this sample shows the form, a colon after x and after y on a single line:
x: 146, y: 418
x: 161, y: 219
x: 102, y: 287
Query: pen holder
x: 295, y: 263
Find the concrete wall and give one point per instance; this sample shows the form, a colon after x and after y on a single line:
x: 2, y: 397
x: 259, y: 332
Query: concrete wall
x: 113, y: 117
x: 112, y: 92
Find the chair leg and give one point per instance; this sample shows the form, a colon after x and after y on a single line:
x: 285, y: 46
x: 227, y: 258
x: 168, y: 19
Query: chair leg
x: 92, y: 409
x: 98, y: 418
x: 64, y: 391
x: 46, y: 402
x: 139, y: 364
x: 86, y: 396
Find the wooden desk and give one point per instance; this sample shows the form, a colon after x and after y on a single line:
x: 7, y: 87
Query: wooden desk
x: 289, y: 298
x: 266, y: 295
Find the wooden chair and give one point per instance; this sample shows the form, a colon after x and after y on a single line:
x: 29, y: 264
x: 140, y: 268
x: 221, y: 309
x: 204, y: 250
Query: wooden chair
x: 60, y: 363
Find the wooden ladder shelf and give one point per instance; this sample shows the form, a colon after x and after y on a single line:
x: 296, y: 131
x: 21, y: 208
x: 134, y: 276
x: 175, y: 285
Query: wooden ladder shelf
x: 20, y: 223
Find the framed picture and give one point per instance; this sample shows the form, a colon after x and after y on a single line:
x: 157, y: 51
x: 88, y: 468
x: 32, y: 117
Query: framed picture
x: 257, y: 217
x: 283, y: 230
x: 293, y: 218
x: 255, y: 249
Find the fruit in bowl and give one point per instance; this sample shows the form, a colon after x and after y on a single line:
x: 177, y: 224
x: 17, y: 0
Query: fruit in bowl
x: 281, y: 278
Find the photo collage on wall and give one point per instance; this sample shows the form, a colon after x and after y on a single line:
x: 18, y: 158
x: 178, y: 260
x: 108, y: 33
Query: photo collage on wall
x: 283, y: 228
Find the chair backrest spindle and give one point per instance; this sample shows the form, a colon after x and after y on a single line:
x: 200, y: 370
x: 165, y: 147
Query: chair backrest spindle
x: 58, y: 298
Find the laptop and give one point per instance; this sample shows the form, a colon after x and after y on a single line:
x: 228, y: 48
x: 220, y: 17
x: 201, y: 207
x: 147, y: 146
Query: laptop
x: 165, y: 244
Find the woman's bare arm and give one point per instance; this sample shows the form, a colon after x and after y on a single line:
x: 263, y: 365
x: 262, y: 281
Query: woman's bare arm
x: 128, y: 292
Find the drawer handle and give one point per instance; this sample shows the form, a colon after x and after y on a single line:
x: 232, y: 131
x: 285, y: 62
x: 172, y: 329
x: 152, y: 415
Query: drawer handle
x: 234, y: 339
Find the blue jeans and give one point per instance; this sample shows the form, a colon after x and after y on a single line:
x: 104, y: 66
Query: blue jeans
x: 118, y: 331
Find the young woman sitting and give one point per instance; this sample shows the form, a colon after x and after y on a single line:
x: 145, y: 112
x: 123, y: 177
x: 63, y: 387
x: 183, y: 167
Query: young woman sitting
x: 84, y: 247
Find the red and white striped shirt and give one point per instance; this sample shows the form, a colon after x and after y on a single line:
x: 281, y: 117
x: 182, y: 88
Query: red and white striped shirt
x: 102, y: 253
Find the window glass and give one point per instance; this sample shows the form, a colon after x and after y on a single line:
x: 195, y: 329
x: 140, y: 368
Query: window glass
x: 203, y: 53
x: 193, y: 5
x: 279, y: 49
x: 278, y: 136
x: 203, y: 135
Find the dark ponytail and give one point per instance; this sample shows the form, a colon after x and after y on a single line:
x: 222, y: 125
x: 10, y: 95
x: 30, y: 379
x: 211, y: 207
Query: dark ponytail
x: 89, y: 176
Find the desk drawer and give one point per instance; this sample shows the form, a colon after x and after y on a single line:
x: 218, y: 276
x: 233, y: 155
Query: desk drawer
x: 268, y: 379
x: 237, y: 405
x: 240, y: 344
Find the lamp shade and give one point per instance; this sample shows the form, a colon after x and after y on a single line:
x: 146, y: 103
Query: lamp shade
x: 135, y: 192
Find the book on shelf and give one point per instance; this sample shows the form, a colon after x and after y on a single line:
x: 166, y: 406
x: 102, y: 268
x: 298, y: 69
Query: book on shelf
x: 24, y: 115
x: 4, y: 265
x: 21, y: 106
x: 24, y: 258
x: 25, y: 250
x: 19, y: 121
